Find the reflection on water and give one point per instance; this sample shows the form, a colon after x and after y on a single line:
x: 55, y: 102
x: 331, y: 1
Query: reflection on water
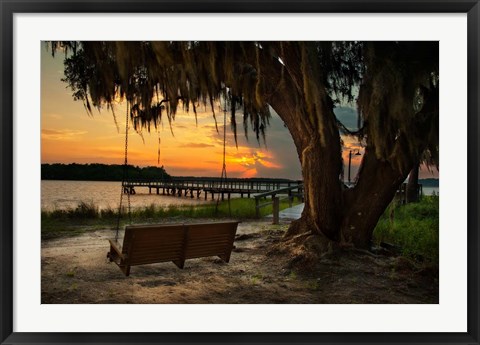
x: 68, y: 194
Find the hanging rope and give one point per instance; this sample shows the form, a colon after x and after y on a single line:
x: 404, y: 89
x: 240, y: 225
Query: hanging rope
x: 223, y: 177
x: 224, y: 166
x: 124, y: 178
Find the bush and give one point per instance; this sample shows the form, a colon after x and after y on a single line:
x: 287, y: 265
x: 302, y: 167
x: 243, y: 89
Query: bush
x: 414, y: 227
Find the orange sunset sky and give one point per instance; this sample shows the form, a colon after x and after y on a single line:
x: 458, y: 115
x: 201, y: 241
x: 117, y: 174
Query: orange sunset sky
x: 70, y: 135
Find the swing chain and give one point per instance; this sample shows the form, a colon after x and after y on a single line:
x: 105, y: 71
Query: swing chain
x: 124, y: 178
x: 127, y: 127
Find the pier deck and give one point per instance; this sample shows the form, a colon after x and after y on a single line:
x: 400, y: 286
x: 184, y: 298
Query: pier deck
x: 196, y: 186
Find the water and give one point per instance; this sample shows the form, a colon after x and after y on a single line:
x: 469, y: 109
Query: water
x: 68, y: 194
x: 431, y: 190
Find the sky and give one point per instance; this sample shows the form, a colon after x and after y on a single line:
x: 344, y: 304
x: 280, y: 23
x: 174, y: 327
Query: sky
x: 187, y: 148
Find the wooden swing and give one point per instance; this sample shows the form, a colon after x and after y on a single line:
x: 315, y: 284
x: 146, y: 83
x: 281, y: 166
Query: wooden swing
x: 149, y: 244
x: 155, y: 243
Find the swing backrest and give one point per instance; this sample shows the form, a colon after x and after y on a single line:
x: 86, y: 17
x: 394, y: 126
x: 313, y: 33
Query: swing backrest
x: 210, y: 239
x: 145, y: 244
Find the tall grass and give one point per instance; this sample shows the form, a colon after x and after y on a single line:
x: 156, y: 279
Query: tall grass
x: 84, y: 210
x: 57, y: 222
x: 413, y: 227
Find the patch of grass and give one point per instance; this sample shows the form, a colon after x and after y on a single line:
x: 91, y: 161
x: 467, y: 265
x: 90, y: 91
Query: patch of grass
x: 76, y: 221
x: 65, y: 226
x: 313, y: 284
x: 256, y: 279
x: 292, y: 275
x: 59, y: 228
x: 414, y: 227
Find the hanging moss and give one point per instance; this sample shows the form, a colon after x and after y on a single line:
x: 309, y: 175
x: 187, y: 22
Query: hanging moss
x: 387, y: 100
x: 159, y: 77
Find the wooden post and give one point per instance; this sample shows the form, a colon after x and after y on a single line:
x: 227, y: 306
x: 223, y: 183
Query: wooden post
x: 276, y: 210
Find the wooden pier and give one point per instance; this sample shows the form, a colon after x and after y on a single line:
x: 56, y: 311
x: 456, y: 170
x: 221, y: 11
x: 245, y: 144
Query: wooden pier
x: 204, y: 186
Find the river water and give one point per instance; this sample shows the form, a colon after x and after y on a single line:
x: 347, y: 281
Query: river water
x: 68, y: 194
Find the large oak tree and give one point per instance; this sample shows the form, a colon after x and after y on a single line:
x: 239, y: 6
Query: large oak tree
x: 395, y: 85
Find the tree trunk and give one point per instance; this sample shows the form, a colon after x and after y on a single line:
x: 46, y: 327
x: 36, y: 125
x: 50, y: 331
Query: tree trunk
x: 314, y: 131
x: 412, y: 184
x: 321, y: 168
x: 365, y: 203
x: 322, y: 188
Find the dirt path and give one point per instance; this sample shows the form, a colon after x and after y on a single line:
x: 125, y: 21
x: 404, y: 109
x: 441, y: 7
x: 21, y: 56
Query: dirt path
x: 75, y: 270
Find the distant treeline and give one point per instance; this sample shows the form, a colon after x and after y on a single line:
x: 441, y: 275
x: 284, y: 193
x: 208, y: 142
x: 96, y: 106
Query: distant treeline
x: 99, y: 172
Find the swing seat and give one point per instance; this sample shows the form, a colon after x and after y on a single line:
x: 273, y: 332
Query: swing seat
x: 149, y: 244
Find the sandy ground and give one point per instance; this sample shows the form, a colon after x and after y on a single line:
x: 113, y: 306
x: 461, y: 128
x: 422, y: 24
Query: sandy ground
x: 76, y: 270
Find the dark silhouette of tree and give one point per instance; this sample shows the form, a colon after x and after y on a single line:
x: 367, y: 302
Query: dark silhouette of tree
x: 100, y: 172
x: 395, y: 85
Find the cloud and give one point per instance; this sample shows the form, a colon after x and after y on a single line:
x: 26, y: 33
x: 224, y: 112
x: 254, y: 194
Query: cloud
x: 61, y: 134
x: 211, y: 127
x: 275, y: 158
x: 180, y: 126
x: 182, y: 170
x: 195, y: 145
x: 249, y: 173
x: 55, y: 116
x: 280, y: 157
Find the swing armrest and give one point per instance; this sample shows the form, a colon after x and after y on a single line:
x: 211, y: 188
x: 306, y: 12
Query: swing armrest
x: 118, y: 252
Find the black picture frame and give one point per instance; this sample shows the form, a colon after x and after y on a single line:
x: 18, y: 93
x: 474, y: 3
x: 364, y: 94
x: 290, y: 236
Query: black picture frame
x: 10, y: 7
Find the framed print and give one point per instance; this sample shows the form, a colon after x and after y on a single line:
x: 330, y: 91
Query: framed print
x: 239, y: 172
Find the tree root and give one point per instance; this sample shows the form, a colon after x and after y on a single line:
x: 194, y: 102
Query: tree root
x: 306, y: 248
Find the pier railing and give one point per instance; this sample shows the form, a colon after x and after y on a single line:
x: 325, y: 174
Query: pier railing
x: 287, y: 193
x: 189, y: 186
